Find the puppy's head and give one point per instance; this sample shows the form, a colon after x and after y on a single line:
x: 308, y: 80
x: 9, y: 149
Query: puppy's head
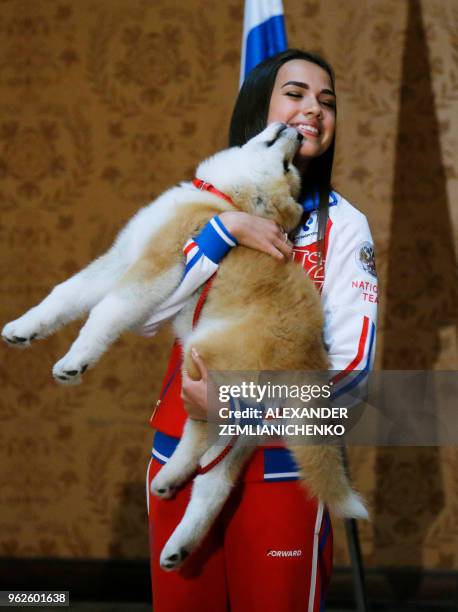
x: 260, y: 176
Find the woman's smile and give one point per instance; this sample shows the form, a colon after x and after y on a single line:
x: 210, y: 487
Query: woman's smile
x: 306, y: 129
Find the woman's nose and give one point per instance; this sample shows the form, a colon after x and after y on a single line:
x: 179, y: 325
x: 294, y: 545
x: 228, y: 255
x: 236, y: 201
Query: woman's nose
x: 311, y: 107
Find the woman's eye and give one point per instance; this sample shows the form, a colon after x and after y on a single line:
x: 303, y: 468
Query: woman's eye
x: 292, y: 94
x: 328, y: 104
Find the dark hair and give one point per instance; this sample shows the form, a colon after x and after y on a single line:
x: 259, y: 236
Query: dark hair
x: 250, y: 117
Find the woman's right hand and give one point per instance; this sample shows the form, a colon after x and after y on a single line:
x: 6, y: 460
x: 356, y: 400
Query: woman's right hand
x: 258, y: 233
x: 194, y: 392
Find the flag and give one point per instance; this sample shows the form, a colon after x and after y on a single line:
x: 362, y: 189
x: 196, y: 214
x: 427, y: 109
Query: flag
x: 264, y: 33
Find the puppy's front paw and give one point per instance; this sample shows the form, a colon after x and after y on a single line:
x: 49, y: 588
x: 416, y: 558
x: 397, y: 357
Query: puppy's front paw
x: 68, y: 371
x: 19, y: 333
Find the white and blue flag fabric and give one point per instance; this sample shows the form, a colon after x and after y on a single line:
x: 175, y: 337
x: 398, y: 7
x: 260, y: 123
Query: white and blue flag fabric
x: 264, y: 33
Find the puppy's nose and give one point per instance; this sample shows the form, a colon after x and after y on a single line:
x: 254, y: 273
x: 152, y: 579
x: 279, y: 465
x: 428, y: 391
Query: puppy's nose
x: 282, y: 129
x: 300, y: 138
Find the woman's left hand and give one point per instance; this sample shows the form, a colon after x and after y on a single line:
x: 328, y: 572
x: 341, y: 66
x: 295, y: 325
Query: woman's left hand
x: 194, y: 392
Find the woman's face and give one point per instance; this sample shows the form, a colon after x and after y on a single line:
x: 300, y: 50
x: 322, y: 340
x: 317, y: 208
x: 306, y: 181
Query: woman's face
x: 303, y: 97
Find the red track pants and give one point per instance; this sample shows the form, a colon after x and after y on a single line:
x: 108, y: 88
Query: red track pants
x: 269, y: 551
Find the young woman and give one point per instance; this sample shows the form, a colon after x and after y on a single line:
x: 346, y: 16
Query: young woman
x: 271, y: 548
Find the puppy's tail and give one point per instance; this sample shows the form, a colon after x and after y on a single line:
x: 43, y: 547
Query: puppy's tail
x: 325, y: 477
x: 352, y: 506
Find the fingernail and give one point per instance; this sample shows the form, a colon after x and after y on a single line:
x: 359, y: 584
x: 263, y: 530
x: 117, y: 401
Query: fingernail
x: 194, y: 352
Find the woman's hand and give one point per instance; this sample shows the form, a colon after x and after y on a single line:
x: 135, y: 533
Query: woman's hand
x: 194, y: 392
x: 258, y: 233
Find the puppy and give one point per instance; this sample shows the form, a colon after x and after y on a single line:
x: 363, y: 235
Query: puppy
x: 250, y: 321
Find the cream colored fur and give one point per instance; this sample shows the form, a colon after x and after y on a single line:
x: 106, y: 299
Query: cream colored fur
x: 260, y: 315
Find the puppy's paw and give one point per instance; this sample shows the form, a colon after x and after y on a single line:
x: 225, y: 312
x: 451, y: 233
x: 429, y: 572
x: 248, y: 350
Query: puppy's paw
x: 19, y: 333
x: 183, y: 541
x: 68, y: 371
x: 162, y: 487
x: 172, y: 558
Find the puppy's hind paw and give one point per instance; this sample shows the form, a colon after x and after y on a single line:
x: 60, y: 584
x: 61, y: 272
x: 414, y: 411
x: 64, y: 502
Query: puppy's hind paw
x: 161, y: 488
x: 171, y: 560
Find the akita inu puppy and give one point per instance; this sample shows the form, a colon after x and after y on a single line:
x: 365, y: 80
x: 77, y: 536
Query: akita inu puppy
x: 261, y: 314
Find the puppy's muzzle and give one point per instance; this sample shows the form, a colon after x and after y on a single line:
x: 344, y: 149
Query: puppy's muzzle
x: 282, y: 128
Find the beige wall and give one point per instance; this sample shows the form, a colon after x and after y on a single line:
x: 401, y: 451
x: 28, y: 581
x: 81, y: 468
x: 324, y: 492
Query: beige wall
x: 103, y: 106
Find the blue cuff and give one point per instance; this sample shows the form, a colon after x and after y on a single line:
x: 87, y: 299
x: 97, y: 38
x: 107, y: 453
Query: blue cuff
x: 215, y: 241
